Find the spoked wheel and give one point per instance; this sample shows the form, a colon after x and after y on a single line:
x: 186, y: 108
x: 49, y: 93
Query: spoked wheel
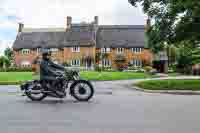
x: 82, y: 90
x: 34, y: 92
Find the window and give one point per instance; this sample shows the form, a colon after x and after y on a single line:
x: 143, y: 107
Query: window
x: 106, y: 62
x: 75, y: 62
x: 38, y: 50
x: 25, y: 64
x: 120, y: 50
x: 105, y: 50
x: 76, y: 49
x: 53, y: 49
x: 137, y: 63
x: 25, y: 51
x: 136, y: 50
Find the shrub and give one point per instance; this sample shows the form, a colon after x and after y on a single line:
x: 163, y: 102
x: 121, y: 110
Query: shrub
x: 97, y: 68
x: 136, y: 69
x: 148, y: 68
x: 66, y: 64
x: 107, y: 68
x: 132, y: 68
x: 173, y: 68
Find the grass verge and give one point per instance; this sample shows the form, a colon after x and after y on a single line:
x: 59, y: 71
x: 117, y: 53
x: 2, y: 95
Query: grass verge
x: 13, y: 78
x: 171, y: 84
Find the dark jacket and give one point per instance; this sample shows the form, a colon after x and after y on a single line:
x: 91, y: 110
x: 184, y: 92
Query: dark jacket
x: 48, y: 70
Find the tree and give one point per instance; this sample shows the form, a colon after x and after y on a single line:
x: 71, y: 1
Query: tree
x: 184, y: 62
x: 8, y: 53
x: 175, y: 21
x: 4, y: 62
x: 172, y: 53
x: 1, y: 62
x: 196, y: 56
x: 187, y: 57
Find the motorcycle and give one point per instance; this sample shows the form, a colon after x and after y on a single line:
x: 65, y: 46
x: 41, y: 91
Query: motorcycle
x: 81, y: 90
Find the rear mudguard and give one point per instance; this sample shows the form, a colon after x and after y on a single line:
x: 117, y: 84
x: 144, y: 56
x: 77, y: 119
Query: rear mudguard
x: 25, y: 85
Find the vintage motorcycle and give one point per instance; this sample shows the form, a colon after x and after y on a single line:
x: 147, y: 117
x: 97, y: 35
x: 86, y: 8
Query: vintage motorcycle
x: 81, y: 90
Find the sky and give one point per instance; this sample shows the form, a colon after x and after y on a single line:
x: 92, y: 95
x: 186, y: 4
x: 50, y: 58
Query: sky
x: 53, y: 13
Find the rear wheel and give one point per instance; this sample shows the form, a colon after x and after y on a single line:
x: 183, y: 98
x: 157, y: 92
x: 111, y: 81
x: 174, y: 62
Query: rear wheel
x: 82, y: 90
x: 35, y: 97
x: 34, y: 92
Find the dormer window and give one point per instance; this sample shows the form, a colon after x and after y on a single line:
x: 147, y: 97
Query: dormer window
x: 105, y: 50
x: 25, y: 51
x: 120, y: 50
x: 76, y: 49
x: 38, y: 50
x: 136, y: 50
x: 53, y: 49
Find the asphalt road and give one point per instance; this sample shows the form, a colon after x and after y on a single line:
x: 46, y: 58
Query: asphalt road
x: 116, y: 108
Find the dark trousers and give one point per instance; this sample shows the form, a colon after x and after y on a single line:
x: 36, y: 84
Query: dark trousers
x: 54, y: 83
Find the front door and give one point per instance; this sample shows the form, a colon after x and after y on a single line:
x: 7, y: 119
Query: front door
x: 159, y: 66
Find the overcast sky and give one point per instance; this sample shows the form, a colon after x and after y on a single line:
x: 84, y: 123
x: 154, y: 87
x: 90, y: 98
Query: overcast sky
x: 52, y: 13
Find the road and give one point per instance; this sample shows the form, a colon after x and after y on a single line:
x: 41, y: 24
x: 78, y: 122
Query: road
x: 116, y: 108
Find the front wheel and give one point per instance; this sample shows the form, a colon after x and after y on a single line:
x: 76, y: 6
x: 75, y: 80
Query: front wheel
x: 82, y: 90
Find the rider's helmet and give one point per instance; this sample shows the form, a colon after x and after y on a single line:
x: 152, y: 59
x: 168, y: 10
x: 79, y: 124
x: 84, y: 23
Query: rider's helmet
x: 46, y: 54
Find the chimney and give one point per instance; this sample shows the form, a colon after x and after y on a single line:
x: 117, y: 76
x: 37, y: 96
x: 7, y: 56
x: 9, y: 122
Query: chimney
x: 69, y: 22
x: 96, y: 20
x: 148, y: 23
x: 21, y: 26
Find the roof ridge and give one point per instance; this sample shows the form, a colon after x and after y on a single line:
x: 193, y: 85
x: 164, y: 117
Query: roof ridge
x: 123, y: 26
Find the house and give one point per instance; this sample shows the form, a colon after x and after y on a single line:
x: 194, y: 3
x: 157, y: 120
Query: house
x: 84, y: 44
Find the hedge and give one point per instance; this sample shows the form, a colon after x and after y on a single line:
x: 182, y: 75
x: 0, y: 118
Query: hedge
x: 16, y: 70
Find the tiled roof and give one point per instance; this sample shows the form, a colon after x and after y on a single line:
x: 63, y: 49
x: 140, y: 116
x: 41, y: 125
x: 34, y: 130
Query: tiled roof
x: 121, y: 36
x: 83, y: 35
x: 61, y: 39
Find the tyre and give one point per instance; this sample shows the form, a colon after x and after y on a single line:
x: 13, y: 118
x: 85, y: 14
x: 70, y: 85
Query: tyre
x: 33, y: 92
x: 82, y: 90
x: 36, y: 98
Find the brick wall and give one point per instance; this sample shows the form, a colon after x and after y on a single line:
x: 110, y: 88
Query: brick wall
x: 84, y: 51
x: 66, y: 55
x: 146, y: 56
x: 19, y: 57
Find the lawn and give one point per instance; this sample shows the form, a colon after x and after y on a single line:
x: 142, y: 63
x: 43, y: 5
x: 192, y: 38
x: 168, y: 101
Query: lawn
x: 13, y: 77
x: 172, y: 84
x: 112, y: 75
x: 8, y: 78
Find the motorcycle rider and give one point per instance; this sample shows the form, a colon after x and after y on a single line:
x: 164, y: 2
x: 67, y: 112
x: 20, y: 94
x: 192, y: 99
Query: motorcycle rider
x: 48, y: 70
